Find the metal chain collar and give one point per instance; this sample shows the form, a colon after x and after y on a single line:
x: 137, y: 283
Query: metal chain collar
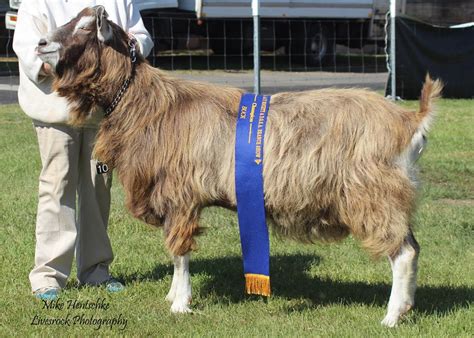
x: 133, y: 59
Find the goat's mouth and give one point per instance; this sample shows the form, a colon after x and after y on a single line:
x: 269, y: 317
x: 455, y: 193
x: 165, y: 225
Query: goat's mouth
x: 41, y: 53
x: 44, y: 51
x: 47, y: 48
x: 48, y: 54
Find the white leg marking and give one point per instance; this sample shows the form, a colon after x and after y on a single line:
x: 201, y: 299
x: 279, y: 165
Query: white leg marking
x: 182, y: 293
x: 402, y: 297
x: 172, y: 292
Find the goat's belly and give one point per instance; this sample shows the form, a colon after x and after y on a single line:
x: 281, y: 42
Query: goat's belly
x: 307, y: 225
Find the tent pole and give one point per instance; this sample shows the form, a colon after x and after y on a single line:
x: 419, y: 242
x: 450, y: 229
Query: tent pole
x: 393, y: 86
x: 256, y: 44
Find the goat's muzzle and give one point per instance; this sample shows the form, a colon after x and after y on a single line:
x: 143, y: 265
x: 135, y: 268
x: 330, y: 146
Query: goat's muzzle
x: 44, y: 47
x: 48, y: 51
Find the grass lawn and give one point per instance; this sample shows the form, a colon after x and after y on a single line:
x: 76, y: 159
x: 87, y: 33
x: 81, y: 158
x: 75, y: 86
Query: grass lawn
x: 318, y: 290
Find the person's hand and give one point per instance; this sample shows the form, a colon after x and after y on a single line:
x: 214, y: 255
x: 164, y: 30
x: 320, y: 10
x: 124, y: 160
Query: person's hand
x: 46, y: 69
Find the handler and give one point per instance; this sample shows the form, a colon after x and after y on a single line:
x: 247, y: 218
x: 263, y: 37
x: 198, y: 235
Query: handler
x: 66, y: 155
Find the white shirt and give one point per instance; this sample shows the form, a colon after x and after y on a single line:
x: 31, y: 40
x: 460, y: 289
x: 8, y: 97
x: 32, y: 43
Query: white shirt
x: 35, y: 19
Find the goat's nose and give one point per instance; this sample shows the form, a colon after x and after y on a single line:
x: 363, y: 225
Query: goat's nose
x: 42, y: 42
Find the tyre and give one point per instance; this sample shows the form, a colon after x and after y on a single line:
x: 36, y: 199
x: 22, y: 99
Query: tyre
x: 319, y: 45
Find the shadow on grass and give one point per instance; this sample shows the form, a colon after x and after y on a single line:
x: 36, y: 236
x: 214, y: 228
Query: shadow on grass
x: 290, y: 280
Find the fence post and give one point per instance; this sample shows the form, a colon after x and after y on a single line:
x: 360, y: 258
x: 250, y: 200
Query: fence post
x: 256, y: 44
x: 393, y: 13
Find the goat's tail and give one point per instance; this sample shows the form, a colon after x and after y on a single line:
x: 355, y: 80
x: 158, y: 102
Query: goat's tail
x: 430, y: 92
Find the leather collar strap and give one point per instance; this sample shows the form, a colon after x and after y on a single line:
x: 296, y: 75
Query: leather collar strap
x: 133, y: 59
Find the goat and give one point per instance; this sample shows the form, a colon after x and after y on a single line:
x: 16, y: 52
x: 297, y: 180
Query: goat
x: 337, y: 161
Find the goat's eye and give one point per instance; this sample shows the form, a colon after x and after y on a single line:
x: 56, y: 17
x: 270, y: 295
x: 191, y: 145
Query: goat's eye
x: 85, y: 29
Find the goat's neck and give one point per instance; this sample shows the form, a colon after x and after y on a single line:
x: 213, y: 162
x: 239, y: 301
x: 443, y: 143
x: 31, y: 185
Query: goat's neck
x: 149, y: 95
x: 115, y: 70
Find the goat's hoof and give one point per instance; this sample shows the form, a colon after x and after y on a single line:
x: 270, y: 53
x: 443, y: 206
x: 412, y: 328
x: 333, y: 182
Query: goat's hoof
x: 392, y: 318
x: 390, y: 321
x: 170, y: 297
x: 180, y: 308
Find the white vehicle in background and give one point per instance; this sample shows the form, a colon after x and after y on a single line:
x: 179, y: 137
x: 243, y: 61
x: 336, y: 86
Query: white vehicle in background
x: 309, y: 27
x: 303, y: 27
x: 11, y: 16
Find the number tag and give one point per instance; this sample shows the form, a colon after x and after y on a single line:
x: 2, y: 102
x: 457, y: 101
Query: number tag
x: 102, y: 168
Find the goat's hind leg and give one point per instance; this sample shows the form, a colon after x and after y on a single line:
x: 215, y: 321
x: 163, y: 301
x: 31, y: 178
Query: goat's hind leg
x: 404, y: 269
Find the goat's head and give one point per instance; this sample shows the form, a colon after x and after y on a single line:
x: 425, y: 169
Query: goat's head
x: 82, y: 53
x: 66, y: 45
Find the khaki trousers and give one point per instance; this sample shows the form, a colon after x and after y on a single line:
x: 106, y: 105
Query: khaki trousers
x: 67, y: 169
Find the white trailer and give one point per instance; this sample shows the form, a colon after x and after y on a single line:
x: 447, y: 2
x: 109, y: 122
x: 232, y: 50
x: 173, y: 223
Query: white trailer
x: 309, y: 27
x: 348, y: 9
x: 11, y: 16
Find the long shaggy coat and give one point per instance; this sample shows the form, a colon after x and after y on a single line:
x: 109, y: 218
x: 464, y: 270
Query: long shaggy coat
x: 332, y: 162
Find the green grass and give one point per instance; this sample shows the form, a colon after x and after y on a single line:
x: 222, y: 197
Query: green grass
x: 318, y: 290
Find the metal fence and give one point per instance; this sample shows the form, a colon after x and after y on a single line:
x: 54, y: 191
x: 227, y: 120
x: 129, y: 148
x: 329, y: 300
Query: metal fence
x: 297, y: 45
x: 8, y: 62
x: 288, y: 45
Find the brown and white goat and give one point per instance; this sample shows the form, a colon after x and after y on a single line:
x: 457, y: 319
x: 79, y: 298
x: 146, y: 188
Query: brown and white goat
x: 337, y: 161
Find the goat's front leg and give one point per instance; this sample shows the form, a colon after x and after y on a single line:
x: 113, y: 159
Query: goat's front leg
x: 180, y: 291
x: 404, y: 268
x: 172, y: 292
x: 181, y: 228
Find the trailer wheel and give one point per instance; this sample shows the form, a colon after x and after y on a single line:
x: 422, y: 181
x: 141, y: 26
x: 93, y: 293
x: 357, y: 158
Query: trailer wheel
x: 319, y: 45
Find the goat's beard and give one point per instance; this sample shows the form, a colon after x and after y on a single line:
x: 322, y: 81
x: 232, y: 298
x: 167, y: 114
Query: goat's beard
x: 79, y: 87
x: 80, y: 101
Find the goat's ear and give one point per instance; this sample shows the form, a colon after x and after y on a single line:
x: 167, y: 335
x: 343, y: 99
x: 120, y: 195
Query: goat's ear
x: 104, y: 30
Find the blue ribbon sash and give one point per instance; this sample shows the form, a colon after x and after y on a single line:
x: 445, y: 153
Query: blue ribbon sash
x: 250, y: 135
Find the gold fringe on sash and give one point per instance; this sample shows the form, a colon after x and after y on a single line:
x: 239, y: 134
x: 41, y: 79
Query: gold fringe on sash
x: 257, y: 284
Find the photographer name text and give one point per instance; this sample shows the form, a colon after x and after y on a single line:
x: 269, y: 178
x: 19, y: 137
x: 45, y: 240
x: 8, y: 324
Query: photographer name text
x: 81, y: 319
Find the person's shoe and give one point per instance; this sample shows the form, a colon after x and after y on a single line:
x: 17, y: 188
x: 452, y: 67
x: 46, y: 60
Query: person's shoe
x: 113, y: 285
x: 47, y: 293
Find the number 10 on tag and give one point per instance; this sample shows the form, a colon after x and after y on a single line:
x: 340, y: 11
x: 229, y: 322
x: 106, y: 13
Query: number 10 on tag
x: 102, y: 168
